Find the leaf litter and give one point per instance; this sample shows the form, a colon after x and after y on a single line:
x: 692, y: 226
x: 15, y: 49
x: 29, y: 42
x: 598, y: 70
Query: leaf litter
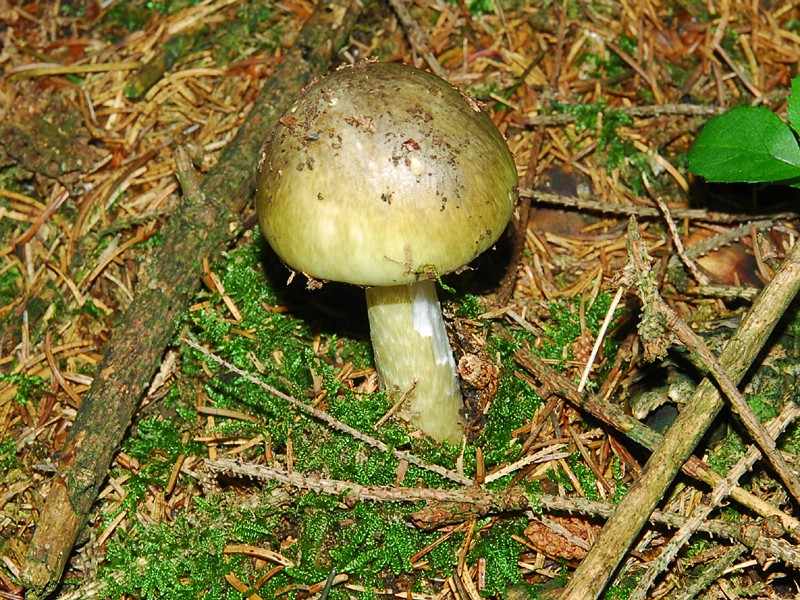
x: 590, y: 96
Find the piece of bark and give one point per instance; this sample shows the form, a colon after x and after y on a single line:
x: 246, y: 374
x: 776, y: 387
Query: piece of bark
x: 53, y: 145
x: 200, y: 228
x: 624, y: 526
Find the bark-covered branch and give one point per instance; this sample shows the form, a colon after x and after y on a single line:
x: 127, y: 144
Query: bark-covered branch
x: 200, y: 228
x: 632, y: 513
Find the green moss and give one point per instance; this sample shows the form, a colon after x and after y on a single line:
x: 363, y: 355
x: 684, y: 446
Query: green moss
x: 478, y: 7
x: 515, y: 401
x: 370, y: 541
x: 621, y: 590
x: 726, y: 453
x: 28, y: 386
x: 133, y: 15
x: 585, y: 476
x: 154, y: 241
x: 790, y: 441
x: 70, y: 9
x: 162, y: 436
x: 564, y: 327
x: 470, y: 307
x: 366, y: 541
x: 613, y: 65
x: 90, y: 308
x: 181, y: 560
x: 156, y: 444
x: 620, y: 487
x: 8, y: 455
x: 616, y: 152
x: 560, y: 477
x: 697, y: 546
x: 501, y: 552
x: 764, y: 406
x: 10, y: 287
x: 376, y: 541
x: 514, y: 404
x: 256, y: 28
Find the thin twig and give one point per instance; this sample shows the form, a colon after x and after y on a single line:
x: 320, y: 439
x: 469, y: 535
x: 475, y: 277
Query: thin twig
x: 329, y: 420
x: 631, y: 514
x: 416, y: 37
x: 775, y: 427
x: 699, y: 276
x: 654, y: 306
x: 544, y: 455
x: 601, y: 336
x: 627, y: 210
x: 614, y: 416
x: 658, y: 110
x: 483, y: 502
x: 713, y: 572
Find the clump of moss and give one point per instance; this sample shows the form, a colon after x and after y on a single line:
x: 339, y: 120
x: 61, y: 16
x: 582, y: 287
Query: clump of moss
x: 370, y: 541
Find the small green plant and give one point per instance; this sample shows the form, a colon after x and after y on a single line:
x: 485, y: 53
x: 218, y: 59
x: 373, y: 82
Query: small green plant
x: 27, y: 386
x: 617, y: 148
x: 750, y: 145
x: 8, y: 455
x: 10, y: 287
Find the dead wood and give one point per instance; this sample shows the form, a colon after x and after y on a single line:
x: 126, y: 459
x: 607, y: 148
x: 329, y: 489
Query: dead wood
x: 622, y: 528
x: 556, y: 384
x: 456, y: 506
x: 200, y: 228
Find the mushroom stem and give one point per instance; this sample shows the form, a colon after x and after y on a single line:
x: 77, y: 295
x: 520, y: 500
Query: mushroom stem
x: 412, y: 349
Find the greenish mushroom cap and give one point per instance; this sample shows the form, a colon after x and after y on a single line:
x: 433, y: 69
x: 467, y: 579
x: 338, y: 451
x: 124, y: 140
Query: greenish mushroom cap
x: 382, y: 174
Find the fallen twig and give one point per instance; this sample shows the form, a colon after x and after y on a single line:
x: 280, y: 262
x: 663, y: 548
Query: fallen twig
x: 699, y: 276
x: 790, y: 412
x: 694, y: 214
x: 332, y: 422
x: 200, y: 228
x: 640, y: 433
x: 656, y: 110
x: 656, y: 315
x: 447, y: 507
x: 593, y: 574
x: 417, y: 38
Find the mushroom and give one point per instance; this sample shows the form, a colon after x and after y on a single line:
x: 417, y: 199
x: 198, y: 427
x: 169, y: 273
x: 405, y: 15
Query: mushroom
x: 384, y: 176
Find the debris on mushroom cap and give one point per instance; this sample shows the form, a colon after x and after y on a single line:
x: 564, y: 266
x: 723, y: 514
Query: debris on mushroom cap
x: 390, y: 167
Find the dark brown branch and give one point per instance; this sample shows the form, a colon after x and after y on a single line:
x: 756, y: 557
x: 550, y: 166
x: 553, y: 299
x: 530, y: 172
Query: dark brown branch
x: 696, y: 214
x: 200, y: 228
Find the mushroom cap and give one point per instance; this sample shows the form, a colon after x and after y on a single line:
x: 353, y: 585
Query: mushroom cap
x: 382, y: 174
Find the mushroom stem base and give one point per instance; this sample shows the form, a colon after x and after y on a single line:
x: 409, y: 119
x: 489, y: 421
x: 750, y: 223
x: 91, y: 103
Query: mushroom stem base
x: 412, y: 350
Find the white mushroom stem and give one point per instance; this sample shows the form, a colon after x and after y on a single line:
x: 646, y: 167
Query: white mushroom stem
x: 411, y: 349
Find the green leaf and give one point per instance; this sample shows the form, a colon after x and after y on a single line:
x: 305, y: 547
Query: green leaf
x: 794, y: 105
x: 748, y: 145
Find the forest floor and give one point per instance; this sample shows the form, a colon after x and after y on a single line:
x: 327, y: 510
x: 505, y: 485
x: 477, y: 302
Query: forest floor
x: 239, y: 475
